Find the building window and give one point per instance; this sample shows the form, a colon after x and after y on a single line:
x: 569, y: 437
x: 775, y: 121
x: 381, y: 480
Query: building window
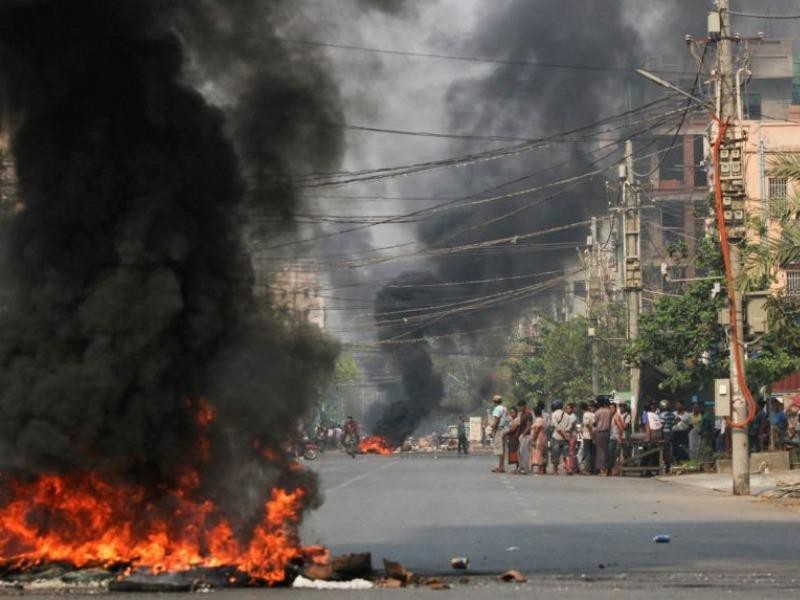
x: 796, y: 80
x: 700, y: 173
x: 579, y: 288
x: 753, y: 106
x: 776, y: 199
x: 793, y: 281
x: 671, y: 172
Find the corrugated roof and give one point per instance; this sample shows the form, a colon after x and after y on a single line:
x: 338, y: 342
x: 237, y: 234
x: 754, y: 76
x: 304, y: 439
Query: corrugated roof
x: 790, y: 383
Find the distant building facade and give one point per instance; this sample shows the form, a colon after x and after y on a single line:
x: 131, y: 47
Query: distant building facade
x: 768, y: 195
x: 677, y: 186
x: 297, y: 292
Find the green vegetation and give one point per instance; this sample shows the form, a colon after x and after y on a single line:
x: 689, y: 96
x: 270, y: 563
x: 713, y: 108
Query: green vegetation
x: 560, y: 360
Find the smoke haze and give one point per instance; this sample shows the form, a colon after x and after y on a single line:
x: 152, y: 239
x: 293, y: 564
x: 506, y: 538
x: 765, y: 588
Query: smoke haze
x: 131, y: 291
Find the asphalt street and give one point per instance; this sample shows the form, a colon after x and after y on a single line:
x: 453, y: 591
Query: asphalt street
x: 573, y: 537
x: 423, y: 511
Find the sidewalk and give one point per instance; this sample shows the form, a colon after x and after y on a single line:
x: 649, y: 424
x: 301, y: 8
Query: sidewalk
x: 722, y: 482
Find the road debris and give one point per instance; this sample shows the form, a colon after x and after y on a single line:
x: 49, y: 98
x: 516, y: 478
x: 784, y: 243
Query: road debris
x: 512, y: 575
x: 459, y: 562
x: 512, y: 549
x: 785, y: 490
x: 310, y: 584
x: 396, y: 571
x: 352, y: 566
x: 661, y: 538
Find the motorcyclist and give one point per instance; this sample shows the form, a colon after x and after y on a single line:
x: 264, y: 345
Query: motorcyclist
x: 350, y: 433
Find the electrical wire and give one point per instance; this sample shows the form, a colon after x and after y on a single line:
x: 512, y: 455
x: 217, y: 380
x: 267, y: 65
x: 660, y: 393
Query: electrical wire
x: 757, y: 16
x: 316, y: 180
x: 427, y: 210
x: 460, y: 58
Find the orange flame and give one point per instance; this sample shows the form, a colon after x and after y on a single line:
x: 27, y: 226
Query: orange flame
x: 375, y: 444
x: 88, y: 520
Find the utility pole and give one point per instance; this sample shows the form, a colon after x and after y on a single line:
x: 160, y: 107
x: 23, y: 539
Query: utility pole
x: 631, y: 224
x: 726, y: 86
x: 594, y: 283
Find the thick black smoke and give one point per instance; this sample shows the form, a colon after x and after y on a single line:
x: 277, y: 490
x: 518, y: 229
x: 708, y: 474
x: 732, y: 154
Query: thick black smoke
x: 536, y: 101
x: 398, y: 307
x: 131, y: 288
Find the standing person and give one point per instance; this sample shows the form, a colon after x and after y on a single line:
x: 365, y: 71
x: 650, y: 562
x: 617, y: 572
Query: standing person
x: 524, y: 438
x: 571, y: 462
x: 667, y: 418
x: 754, y: 429
x: 680, y: 432
x: 707, y: 433
x: 563, y: 423
x: 653, y: 424
x: 499, y: 427
x: 512, y: 439
x: 694, y: 433
x: 539, y: 442
x: 792, y: 418
x: 586, y: 452
x: 617, y: 436
x: 602, y: 435
x: 778, y: 426
x: 463, y: 444
x: 547, y: 428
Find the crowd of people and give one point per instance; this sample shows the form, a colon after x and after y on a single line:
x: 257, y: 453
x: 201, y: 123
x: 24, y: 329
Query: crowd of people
x: 333, y: 435
x: 566, y: 439
x: 587, y: 438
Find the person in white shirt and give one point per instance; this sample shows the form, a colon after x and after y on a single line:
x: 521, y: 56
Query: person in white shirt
x: 500, y: 423
x: 680, y: 432
x: 653, y: 424
x: 563, y: 422
x: 586, y: 453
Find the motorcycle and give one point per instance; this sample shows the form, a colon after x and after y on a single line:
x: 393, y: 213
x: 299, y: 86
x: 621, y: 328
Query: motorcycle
x: 351, y: 445
x: 310, y: 451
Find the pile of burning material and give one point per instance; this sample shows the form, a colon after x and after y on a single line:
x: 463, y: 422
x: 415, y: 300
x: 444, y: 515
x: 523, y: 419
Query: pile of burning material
x: 375, y: 444
x: 85, y: 527
x: 85, y: 521
x: 128, y: 288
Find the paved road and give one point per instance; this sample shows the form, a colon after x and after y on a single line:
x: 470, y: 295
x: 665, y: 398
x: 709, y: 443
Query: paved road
x: 422, y: 512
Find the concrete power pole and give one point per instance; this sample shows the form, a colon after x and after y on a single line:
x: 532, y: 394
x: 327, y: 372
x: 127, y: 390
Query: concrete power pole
x: 727, y: 113
x: 633, y: 262
x: 594, y: 283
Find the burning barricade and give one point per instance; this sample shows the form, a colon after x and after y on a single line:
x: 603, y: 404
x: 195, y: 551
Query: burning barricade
x: 87, y: 520
x: 375, y: 444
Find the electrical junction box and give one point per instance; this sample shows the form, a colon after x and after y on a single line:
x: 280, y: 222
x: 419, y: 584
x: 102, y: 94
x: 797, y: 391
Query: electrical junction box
x: 756, y: 312
x: 714, y: 25
x: 722, y: 397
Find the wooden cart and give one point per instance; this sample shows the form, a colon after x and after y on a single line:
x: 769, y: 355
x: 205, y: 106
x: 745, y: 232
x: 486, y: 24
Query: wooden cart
x: 641, y: 457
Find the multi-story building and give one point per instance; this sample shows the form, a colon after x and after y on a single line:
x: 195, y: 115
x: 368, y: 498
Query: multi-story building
x: 768, y: 195
x: 297, y: 292
x: 673, y: 219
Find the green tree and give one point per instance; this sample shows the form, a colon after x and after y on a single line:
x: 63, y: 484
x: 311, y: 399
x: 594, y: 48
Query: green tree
x: 681, y: 336
x: 560, y: 365
x: 345, y: 372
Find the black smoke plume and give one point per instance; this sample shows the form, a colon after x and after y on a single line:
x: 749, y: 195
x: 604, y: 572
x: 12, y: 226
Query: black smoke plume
x: 402, y: 332
x: 130, y: 286
x: 535, y: 101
